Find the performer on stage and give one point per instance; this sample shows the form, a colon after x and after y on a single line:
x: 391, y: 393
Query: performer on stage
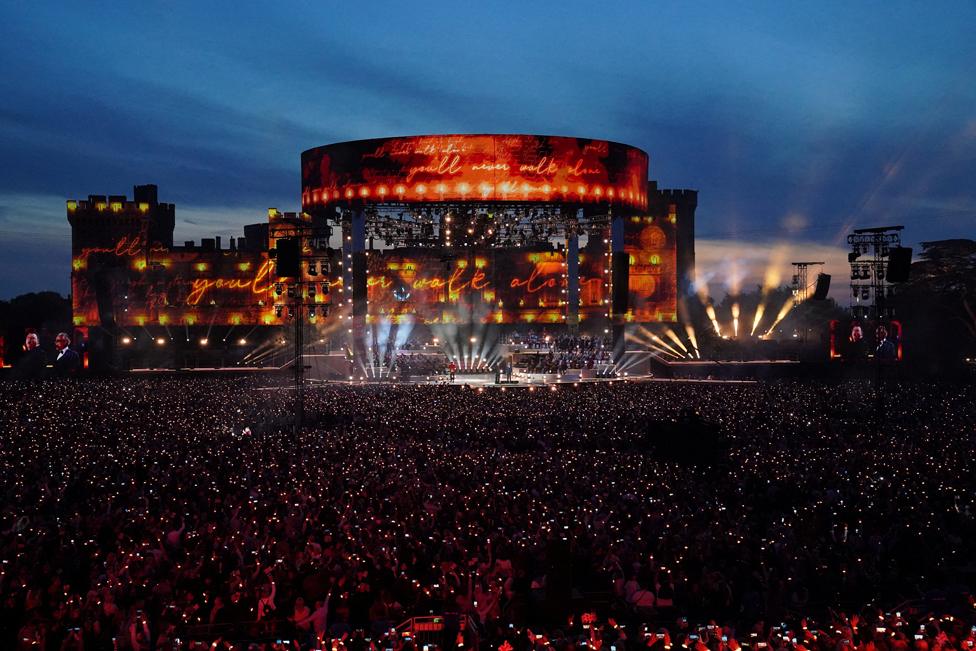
x: 31, y: 366
x: 68, y: 361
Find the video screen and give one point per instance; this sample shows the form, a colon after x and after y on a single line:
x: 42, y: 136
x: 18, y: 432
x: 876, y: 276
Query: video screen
x: 522, y: 168
x: 653, y: 281
x: 497, y: 286
x: 594, y: 280
x: 173, y: 288
x: 862, y: 338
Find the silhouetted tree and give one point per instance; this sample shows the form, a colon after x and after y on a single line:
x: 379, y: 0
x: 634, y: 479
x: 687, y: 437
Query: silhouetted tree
x: 938, y: 304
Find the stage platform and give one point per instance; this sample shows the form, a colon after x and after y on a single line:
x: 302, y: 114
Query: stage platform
x: 480, y: 380
x: 634, y: 365
x: 488, y: 382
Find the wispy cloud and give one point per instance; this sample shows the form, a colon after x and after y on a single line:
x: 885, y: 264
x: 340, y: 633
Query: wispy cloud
x: 793, y: 123
x: 727, y: 264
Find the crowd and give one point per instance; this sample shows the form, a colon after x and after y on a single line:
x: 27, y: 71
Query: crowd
x: 149, y: 513
x: 420, y: 364
x: 560, y: 362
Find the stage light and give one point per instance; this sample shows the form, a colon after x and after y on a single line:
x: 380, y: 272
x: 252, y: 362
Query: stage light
x: 204, y: 341
x: 279, y: 288
x: 278, y: 310
x: 242, y: 341
x: 760, y: 310
x: 677, y: 340
x: 311, y: 269
x: 160, y: 341
x: 690, y: 331
x: 782, y: 314
x: 126, y: 340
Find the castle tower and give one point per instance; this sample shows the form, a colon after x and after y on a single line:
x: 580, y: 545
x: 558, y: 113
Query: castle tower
x: 109, y: 233
x: 102, y: 221
x: 679, y: 205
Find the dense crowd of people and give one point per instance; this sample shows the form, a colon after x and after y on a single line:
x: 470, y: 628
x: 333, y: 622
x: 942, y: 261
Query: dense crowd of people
x: 558, y: 353
x: 420, y: 364
x: 153, y: 513
x: 560, y: 362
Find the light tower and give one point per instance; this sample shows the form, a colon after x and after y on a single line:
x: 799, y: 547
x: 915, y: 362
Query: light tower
x: 801, y: 288
x: 302, y: 265
x: 870, y: 288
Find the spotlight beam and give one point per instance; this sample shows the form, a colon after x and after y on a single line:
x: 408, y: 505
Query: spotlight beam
x: 759, y: 315
x: 673, y: 337
x: 710, y: 311
x: 690, y: 331
x: 787, y: 307
x: 652, y: 346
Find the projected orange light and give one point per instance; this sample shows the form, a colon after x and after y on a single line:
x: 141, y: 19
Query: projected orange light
x: 500, y: 167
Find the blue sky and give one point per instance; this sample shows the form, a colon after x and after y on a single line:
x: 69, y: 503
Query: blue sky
x: 795, y: 121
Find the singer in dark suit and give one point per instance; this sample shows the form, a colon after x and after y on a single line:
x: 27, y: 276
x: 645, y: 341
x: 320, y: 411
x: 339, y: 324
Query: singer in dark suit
x: 67, y: 363
x: 33, y: 363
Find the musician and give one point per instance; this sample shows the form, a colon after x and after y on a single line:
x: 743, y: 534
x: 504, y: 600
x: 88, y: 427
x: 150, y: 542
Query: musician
x: 67, y: 363
x: 32, y: 364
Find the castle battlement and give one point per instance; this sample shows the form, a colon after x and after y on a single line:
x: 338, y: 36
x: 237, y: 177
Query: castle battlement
x: 679, y: 195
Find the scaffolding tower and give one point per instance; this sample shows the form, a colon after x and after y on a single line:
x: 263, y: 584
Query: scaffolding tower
x: 870, y: 289
x: 801, y: 287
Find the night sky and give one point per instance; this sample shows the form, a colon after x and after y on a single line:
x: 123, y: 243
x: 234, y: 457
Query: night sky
x: 795, y: 121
